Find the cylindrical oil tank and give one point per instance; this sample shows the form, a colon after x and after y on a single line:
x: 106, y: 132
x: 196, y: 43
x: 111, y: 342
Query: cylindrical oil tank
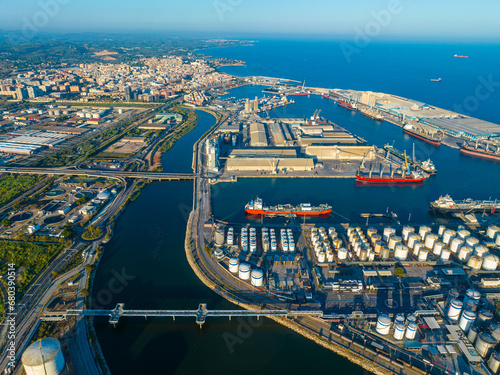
x: 244, y: 271
x: 418, y: 246
x: 473, y: 332
x: 445, y: 254
x: 423, y: 230
x: 377, y: 247
x: 497, y: 239
x: 375, y: 237
x: 485, y: 344
x: 467, y: 320
x: 43, y: 357
x: 471, y: 305
x: 329, y: 257
x: 472, y: 241
x: 265, y: 245
x: 485, y: 317
x: 370, y: 232
x: 363, y: 255
x: 393, y: 241
x: 321, y: 257
x: 406, y: 232
x: 412, y: 239
x: 494, y: 363
x: 234, y: 264
x: 492, y: 231
x: 383, y: 324
x: 401, y: 252
x: 448, y: 236
x: 422, y: 255
x: 455, y: 309
x: 430, y: 239
x: 219, y: 236
x: 455, y: 244
x: 388, y: 231
x: 441, y: 230
x: 400, y: 318
x: 384, y: 253
x: 411, y: 319
x: 399, y: 331
x: 438, y: 247
x: 411, y: 331
x: 465, y: 253
x: 480, y: 250
x: 463, y: 233
x: 342, y: 254
x: 495, y: 331
x: 257, y: 278
x: 490, y: 262
x: 452, y: 295
x: 475, y: 262
x: 473, y: 295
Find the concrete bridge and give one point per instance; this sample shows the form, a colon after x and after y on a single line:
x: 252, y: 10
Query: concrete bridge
x: 200, y: 314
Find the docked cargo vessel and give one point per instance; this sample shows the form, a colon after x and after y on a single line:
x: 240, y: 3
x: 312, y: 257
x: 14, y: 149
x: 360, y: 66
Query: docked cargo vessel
x: 433, y: 140
x: 257, y: 207
x: 381, y: 178
x: 426, y: 166
x: 371, y: 114
x: 481, y: 153
x: 353, y: 106
x: 447, y: 205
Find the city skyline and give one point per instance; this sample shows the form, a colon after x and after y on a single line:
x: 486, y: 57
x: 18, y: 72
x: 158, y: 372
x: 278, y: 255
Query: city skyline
x: 394, y: 19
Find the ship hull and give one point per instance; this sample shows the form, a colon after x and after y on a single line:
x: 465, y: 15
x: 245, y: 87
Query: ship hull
x: 301, y: 94
x: 347, y: 106
x: 450, y: 210
x: 389, y: 180
x: 288, y: 213
x: 480, y: 154
x: 371, y: 116
x: 423, y: 138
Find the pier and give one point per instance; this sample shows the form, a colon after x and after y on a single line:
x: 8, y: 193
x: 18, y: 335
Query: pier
x: 200, y: 314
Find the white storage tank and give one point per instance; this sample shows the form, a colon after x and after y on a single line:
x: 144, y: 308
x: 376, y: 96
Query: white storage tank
x: 475, y: 262
x: 448, y: 236
x: 497, y: 240
x: 375, y: 238
x: 480, y: 250
x: 495, y: 331
x: 485, y: 344
x: 342, y: 254
x: 388, y: 231
x: 423, y: 230
x: 417, y: 248
x: 473, y: 295
x: 455, y: 309
x: 400, y: 318
x: 463, y: 234
x: 455, y: 244
x: 244, y: 271
x: 465, y: 253
x: 378, y: 246
x: 385, y: 252
x: 401, y: 252
x: 234, y: 264
x: 257, y: 278
x: 411, y: 331
x: 473, y: 332
x: 370, y: 232
x: 484, y: 317
x: 399, y: 331
x: 411, y: 319
x: 430, y: 239
x: 490, y: 262
x: 219, y: 236
x: 472, y: 241
x: 43, y: 357
x: 422, y: 255
x: 321, y: 257
x: 494, y: 363
x: 393, y: 241
x: 441, y: 230
x: 445, y: 254
x: 406, y: 232
x: 467, y: 320
x: 438, y: 248
x: 492, y: 231
x: 412, y: 239
x: 383, y: 324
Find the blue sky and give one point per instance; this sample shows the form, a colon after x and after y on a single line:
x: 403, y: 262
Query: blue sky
x: 423, y: 19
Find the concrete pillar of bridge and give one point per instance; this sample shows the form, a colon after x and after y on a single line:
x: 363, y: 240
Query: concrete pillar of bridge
x: 173, y: 317
x: 229, y: 317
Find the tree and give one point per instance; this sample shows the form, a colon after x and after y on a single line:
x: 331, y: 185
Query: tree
x: 82, y: 200
x: 400, y: 272
x: 67, y: 233
x: 6, y: 222
x: 85, y: 293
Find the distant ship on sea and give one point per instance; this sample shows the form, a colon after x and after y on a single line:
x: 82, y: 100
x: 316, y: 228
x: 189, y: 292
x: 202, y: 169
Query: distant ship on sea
x: 436, y: 79
x: 463, y: 57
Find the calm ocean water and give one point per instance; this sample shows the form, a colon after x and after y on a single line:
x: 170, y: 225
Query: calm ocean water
x: 148, y: 242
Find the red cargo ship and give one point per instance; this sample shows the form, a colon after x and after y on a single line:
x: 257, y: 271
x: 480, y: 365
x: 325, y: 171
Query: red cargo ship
x: 348, y: 105
x: 410, y: 130
x: 304, y: 209
x: 480, y: 153
x: 410, y: 178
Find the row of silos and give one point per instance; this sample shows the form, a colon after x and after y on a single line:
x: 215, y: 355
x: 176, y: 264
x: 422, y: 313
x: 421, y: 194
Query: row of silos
x: 403, y: 329
x: 324, y: 243
x: 245, y: 272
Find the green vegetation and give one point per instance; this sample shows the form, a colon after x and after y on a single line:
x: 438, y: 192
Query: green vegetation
x: 190, y: 122
x: 67, y: 233
x: 6, y: 222
x: 138, y: 188
x: 29, y: 258
x: 92, y: 233
x: 12, y: 186
x: 82, y: 200
x: 400, y: 272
